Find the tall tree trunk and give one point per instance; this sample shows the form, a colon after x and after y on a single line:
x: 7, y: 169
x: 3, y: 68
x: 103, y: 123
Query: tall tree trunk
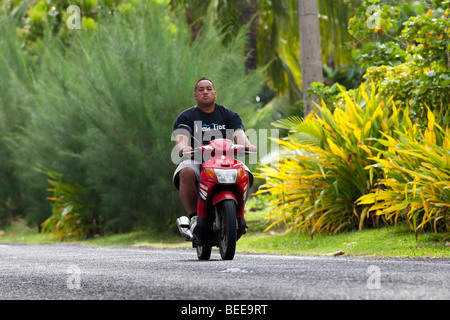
x: 311, y: 53
x: 250, y: 12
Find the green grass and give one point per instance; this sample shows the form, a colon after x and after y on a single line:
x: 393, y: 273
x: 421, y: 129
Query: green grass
x: 389, y: 241
x: 397, y: 241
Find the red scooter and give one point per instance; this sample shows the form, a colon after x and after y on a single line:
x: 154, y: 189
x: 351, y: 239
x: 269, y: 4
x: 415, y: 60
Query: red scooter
x: 223, y: 190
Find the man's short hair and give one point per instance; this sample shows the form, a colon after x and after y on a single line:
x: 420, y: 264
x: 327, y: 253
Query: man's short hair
x: 201, y: 79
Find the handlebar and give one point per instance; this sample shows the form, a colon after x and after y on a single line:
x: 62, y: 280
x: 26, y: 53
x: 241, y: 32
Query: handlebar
x: 196, y: 150
x: 206, y: 147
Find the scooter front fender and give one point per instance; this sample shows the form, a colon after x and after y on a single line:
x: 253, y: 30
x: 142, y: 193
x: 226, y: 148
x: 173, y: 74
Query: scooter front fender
x: 224, y: 195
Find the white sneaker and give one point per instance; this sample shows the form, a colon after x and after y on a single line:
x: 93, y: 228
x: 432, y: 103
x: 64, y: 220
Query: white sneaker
x: 193, y: 224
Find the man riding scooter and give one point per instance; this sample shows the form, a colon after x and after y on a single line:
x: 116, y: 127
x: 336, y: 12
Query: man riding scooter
x: 209, y: 121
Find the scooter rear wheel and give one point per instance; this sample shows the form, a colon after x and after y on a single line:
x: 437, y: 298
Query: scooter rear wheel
x: 227, y: 234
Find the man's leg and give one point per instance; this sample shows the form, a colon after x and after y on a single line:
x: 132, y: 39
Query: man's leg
x: 185, y: 180
x: 188, y: 190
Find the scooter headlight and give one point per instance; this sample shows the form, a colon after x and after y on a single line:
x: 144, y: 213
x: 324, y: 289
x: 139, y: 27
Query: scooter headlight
x: 226, y: 176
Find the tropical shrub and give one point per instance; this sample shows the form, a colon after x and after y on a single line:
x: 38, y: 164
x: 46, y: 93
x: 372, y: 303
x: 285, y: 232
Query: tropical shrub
x: 379, y: 155
x: 325, y: 166
x: 71, y: 217
x: 416, y: 182
x: 363, y: 164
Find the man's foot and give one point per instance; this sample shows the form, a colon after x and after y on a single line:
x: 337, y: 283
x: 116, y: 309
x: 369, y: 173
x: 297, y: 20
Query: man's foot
x: 193, y: 224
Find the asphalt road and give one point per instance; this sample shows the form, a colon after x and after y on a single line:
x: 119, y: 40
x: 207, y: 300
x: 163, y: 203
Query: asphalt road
x: 79, y: 272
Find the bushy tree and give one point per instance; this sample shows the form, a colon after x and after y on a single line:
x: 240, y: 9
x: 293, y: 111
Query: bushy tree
x: 15, y: 83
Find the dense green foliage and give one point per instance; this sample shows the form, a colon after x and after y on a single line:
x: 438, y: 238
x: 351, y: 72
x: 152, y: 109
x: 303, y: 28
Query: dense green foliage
x: 377, y: 155
x: 417, y: 73
x: 98, y: 117
x: 15, y: 89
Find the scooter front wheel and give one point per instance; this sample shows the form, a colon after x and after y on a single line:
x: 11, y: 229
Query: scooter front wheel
x: 227, y: 234
x: 204, y: 252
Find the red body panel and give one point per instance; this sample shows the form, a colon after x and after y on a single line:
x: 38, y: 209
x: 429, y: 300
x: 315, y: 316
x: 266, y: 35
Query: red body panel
x: 210, y: 191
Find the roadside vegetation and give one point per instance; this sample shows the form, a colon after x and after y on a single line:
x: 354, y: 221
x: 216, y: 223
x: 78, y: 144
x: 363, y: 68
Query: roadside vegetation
x: 87, y: 108
x: 380, y: 153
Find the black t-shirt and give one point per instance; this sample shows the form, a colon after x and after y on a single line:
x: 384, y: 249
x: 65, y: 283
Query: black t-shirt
x: 221, y: 123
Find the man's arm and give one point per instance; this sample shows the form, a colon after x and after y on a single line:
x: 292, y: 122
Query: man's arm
x: 181, y: 132
x: 240, y: 138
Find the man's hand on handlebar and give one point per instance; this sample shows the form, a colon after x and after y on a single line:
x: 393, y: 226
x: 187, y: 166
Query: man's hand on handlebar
x: 251, y: 148
x: 186, y: 151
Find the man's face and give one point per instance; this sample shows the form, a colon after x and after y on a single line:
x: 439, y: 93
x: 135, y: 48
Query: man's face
x: 205, y: 94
